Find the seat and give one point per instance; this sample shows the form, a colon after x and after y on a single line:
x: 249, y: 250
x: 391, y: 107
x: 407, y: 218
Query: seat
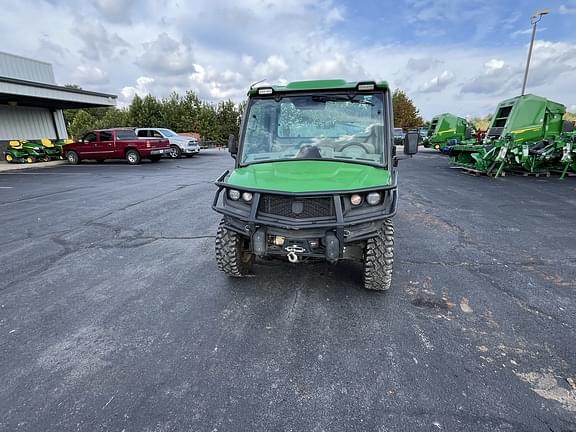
x: 15, y: 145
x: 46, y: 142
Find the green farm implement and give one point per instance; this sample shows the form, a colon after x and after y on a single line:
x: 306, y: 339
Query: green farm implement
x: 528, y: 135
x: 447, y: 130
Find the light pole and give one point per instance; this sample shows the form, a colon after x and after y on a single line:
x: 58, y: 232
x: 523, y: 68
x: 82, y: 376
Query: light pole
x: 534, y: 19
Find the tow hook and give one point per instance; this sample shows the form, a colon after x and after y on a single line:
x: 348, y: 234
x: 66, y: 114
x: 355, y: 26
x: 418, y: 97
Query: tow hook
x: 293, y: 250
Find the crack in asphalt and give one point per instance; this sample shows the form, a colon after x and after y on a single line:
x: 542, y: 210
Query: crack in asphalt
x: 117, y: 241
x: 519, y: 300
x: 42, y: 196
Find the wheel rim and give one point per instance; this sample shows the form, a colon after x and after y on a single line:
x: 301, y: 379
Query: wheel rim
x: 132, y: 157
x: 9, y: 158
x: 173, y: 152
x: 71, y: 157
x: 29, y: 160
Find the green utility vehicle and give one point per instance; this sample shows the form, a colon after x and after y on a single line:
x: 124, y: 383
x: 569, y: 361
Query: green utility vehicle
x: 24, y: 151
x: 447, y: 130
x: 521, y: 129
x: 315, y: 177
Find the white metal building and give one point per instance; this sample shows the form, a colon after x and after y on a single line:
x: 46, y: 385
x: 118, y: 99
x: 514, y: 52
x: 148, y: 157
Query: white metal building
x: 31, y: 103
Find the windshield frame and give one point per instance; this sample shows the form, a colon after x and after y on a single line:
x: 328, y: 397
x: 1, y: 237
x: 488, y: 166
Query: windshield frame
x: 386, y: 119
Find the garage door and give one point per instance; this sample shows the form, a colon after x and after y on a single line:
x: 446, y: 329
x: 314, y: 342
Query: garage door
x: 26, y: 123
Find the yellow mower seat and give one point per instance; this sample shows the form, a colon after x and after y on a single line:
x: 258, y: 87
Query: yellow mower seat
x: 15, y: 145
x: 47, y: 142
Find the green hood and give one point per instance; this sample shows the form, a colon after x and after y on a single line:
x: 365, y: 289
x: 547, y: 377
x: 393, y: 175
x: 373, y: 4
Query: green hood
x: 309, y: 176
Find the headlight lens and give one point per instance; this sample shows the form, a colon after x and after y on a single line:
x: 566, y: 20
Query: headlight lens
x: 233, y: 194
x: 247, y: 196
x: 373, y: 198
x: 356, y: 200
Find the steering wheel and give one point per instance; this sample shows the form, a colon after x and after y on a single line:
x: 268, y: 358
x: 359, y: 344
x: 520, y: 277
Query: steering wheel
x: 356, y: 146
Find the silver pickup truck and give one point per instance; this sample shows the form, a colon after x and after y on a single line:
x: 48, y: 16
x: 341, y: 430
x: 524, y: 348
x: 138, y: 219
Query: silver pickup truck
x: 179, y: 145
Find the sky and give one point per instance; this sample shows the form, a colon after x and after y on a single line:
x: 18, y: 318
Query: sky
x: 460, y: 56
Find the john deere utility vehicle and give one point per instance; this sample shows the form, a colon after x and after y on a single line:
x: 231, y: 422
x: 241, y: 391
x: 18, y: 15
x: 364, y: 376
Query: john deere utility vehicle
x: 315, y: 177
x: 527, y: 133
x: 24, y: 151
x: 447, y: 130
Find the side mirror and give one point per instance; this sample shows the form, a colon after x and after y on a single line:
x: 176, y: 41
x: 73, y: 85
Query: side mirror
x: 232, y: 145
x: 411, y: 140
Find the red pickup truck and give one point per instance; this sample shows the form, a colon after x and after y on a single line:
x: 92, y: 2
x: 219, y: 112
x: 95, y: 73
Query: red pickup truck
x: 118, y: 143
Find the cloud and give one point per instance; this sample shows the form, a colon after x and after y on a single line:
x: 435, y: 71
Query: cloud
x: 117, y: 11
x: 497, y: 78
x: 144, y: 85
x: 335, y: 66
x: 272, y: 69
x: 219, y: 47
x: 527, y: 31
x: 421, y: 64
x: 98, y: 43
x: 550, y: 61
x: 212, y: 85
x: 90, y: 75
x: 166, y: 55
x: 566, y: 10
x: 335, y: 15
x: 438, y: 83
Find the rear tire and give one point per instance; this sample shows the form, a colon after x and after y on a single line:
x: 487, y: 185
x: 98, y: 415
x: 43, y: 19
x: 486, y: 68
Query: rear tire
x: 133, y: 157
x: 73, y: 158
x: 9, y: 158
x: 379, y: 258
x: 232, y: 254
x: 175, y: 152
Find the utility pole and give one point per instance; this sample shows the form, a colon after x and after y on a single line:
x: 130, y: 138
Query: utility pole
x: 534, y: 19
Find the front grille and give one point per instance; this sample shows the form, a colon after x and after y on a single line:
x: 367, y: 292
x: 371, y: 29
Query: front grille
x: 296, y: 207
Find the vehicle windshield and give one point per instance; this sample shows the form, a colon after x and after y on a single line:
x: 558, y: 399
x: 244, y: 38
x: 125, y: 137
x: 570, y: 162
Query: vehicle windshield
x: 168, y: 133
x: 331, y: 126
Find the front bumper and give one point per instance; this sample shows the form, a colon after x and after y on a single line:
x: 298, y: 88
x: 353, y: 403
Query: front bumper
x: 194, y: 150
x: 330, y: 237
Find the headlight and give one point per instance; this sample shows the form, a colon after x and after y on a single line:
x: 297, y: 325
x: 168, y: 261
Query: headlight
x: 356, y: 200
x: 233, y: 194
x: 247, y: 196
x: 373, y: 198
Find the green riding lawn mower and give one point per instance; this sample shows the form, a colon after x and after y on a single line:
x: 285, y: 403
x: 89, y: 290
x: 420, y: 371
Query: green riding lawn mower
x: 447, y: 130
x: 35, y: 150
x: 527, y: 134
x: 53, y: 149
x: 25, y: 152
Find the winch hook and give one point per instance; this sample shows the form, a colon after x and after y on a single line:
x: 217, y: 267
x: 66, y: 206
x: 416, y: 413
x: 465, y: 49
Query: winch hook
x: 292, y: 257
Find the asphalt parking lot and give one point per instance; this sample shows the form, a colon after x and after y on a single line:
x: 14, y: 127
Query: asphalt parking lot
x: 113, y: 316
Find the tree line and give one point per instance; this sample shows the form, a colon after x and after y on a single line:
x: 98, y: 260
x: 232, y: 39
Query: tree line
x: 214, y: 122
x: 187, y: 113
